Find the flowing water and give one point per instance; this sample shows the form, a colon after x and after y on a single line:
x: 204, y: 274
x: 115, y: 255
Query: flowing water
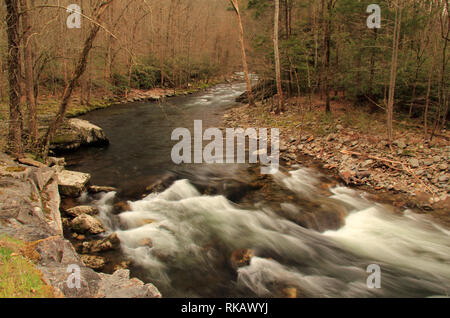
x: 182, y: 238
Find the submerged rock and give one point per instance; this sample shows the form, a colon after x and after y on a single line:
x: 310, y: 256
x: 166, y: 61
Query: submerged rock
x: 241, y: 258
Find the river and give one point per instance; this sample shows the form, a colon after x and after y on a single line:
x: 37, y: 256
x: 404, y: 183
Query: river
x: 210, y: 211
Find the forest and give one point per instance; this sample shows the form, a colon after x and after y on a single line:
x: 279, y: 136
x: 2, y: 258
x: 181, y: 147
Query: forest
x: 353, y: 200
x: 324, y: 47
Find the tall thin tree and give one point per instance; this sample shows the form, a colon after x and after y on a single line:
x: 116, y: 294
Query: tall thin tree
x: 15, y: 146
x: 235, y: 5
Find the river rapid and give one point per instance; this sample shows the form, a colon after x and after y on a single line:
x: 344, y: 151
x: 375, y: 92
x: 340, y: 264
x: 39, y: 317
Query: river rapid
x: 307, y: 234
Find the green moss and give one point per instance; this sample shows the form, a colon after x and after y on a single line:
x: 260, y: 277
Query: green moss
x: 63, y: 139
x: 19, y: 278
x: 15, y: 169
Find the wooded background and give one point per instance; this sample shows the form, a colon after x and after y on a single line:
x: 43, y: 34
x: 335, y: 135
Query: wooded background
x: 325, y: 47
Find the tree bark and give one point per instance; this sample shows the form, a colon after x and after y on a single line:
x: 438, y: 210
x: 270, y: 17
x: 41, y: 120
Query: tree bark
x: 235, y: 5
x: 277, y: 58
x: 393, y: 76
x: 28, y: 70
x: 15, y: 146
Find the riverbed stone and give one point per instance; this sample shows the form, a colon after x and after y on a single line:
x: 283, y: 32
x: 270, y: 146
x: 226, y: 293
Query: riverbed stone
x: 83, y: 209
x: 86, y: 223
x: 94, y: 262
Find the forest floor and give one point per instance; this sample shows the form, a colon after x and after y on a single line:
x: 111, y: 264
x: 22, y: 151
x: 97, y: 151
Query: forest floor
x: 352, y: 144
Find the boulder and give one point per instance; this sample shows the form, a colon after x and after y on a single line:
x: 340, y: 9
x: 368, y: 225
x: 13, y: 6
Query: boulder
x: 80, y: 210
x: 99, y: 189
x: 76, y: 133
x: 241, y: 258
x: 112, y: 242
x: 119, y: 285
x: 71, y: 183
x: 94, y: 262
x: 86, y: 223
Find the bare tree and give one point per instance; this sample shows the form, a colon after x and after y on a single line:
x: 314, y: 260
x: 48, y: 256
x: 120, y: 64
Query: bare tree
x: 79, y: 70
x: 277, y: 58
x: 394, y: 63
x: 235, y: 5
x: 15, y: 145
x: 28, y: 71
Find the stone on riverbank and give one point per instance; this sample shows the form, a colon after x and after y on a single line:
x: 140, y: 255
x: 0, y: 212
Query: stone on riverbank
x: 76, y: 133
x: 71, y: 183
x: 80, y: 210
x: 86, y: 223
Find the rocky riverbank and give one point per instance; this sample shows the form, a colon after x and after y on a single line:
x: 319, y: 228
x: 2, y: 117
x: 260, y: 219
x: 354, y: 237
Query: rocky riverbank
x: 30, y: 212
x: 414, y: 173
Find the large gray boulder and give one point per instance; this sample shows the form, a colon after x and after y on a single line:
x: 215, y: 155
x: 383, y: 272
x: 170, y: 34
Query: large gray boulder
x: 76, y: 133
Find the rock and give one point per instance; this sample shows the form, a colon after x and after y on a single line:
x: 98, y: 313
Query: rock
x: 122, y: 265
x: 80, y: 210
x: 71, y: 183
x: 414, y: 163
x: 290, y: 292
x: 31, y: 162
x: 367, y: 163
x: 400, y: 144
x: 346, y: 176
x: 241, y: 258
x: 95, y: 262
x: 437, y: 159
x: 53, y: 161
x: 339, y: 127
x: 146, y: 242
x: 363, y: 174
x: 428, y: 162
x: 112, y: 242
x: 86, y: 223
x: 119, y: 285
x: 122, y: 206
x: 76, y: 133
x: 443, y: 178
x: 99, y: 189
x: 443, y: 167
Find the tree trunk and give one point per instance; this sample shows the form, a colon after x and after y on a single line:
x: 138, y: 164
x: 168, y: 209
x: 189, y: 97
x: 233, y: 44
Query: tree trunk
x: 277, y: 58
x: 28, y: 68
x: 393, y: 77
x: 79, y: 71
x: 15, y: 146
x: 235, y: 5
x: 427, y: 99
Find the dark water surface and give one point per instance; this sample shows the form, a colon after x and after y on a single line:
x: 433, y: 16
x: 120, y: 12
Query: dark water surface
x: 182, y: 239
